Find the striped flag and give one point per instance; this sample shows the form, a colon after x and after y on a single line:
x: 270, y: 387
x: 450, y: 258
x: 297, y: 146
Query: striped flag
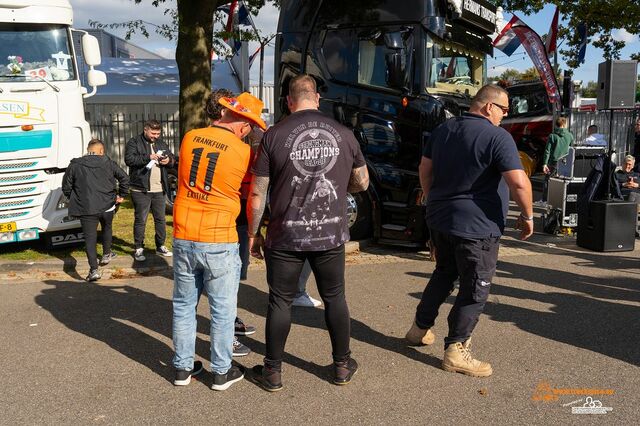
x: 507, y: 40
x: 552, y: 35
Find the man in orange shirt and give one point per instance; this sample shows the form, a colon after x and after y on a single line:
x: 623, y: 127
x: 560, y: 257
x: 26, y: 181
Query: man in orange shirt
x: 213, y: 164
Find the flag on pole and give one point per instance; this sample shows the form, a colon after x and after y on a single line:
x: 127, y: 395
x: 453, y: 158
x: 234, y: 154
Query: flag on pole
x: 244, y: 17
x: 507, y: 41
x: 552, y: 35
x: 232, y: 15
x: 232, y: 24
x: 582, y: 32
x: 538, y: 54
x: 254, y: 55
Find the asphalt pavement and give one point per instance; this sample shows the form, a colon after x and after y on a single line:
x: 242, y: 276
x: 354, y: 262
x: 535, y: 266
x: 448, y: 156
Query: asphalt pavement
x: 561, y: 325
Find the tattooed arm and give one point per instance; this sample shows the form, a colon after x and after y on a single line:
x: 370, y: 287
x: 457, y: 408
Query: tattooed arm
x: 359, y: 180
x: 255, y: 209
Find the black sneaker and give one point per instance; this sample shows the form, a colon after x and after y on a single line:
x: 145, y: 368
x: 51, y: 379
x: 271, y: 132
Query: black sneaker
x: 183, y: 377
x: 239, y: 349
x: 268, y: 379
x: 242, y: 329
x: 163, y: 251
x: 106, y: 258
x: 344, y: 371
x: 94, y: 275
x: 224, y: 381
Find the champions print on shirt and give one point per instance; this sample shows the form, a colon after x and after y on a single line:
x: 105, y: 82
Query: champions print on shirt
x: 314, y: 151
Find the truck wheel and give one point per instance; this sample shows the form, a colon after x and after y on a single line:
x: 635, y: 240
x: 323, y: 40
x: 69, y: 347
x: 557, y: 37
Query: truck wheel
x: 359, y: 216
x: 172, y: 177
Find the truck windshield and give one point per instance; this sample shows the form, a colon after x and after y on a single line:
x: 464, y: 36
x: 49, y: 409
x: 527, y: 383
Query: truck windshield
x: 452, y: 68
x: 383, y: 54
x: 528, y: 100
x: 32, y: 52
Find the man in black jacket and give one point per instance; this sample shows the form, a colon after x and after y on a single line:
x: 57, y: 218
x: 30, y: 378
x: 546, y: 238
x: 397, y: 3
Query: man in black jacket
x: 90, y: 185
x: 148, y: 158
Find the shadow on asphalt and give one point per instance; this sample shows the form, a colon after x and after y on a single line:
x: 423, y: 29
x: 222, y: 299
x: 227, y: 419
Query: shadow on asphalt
x: 119, y: 316
x: 591, y: 317
x: 126, y: 319
x: 255, y: 301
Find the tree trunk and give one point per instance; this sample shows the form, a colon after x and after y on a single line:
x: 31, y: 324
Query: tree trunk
x: 193, y: 55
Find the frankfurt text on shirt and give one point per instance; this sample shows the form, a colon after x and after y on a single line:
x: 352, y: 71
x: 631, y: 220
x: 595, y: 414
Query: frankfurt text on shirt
x: 211, y: 143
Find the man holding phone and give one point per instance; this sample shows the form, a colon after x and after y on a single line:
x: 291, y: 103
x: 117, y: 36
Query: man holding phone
x: 148, y: 158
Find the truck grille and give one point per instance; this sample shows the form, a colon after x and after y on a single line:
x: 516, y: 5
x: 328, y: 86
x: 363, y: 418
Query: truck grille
x: 6, y: 179
x: 17, y: 191
x: 13, y: 215
x: 16, y: 203
x: 7, y: 166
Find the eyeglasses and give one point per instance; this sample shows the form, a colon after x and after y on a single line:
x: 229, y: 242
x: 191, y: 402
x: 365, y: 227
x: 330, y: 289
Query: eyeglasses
x: 505, y: 110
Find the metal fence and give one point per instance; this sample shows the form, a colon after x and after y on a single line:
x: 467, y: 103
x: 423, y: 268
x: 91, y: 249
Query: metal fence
x: 115, y: 130
x: 621, y: 127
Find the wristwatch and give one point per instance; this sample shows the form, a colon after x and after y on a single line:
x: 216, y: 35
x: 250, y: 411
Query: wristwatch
x: 523, y: 217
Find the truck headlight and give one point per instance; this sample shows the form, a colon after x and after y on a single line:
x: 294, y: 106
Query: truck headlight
x: 63, y: 203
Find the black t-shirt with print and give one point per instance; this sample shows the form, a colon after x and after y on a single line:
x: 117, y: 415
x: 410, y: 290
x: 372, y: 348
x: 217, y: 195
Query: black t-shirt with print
x: 308, y: 158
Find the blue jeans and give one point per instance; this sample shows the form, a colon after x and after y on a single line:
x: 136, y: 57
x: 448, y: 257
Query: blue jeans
x: 215, y: 269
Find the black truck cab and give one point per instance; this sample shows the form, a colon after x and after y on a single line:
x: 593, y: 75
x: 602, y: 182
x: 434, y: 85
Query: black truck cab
x: 392, y: 71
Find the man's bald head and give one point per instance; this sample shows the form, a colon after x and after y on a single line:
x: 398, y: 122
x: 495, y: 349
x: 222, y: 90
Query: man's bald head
x: 486, y: 94
x: 491, y: 102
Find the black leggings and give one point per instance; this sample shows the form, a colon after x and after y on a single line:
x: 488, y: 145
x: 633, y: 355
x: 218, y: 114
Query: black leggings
x: 283, y: 271
x: 90, y: 230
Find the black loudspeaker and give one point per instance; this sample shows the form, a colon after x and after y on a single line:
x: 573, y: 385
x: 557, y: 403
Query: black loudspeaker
x: 585, y: 158
x: 616, y: 84
x: 610, y: 226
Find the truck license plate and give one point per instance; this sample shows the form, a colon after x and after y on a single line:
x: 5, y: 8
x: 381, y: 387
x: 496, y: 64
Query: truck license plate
x: 8, y: 227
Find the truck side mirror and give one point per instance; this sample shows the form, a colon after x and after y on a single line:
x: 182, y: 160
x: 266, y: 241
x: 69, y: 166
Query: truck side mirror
x: 396, y: 70
x: 96, y: 78
x: 91, y: 50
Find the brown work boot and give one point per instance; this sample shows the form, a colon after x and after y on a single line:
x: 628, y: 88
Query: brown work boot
x: 458, y: 359
x: 420, y: 336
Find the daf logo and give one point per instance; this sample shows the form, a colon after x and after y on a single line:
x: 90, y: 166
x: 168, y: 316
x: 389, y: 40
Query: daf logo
x: 67, y: 239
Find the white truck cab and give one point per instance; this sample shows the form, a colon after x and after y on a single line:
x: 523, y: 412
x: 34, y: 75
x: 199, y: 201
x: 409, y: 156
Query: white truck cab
x: 42, y: 120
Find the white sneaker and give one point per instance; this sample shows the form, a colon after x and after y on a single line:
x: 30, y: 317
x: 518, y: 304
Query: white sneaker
x: 306, y: 301
x: 163, y: 251
x: 139, y: 255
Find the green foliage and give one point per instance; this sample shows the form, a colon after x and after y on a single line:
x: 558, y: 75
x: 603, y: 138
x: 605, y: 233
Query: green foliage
x: 590, y: 90
x: 530, y: 74
x: 509, y: 75
x: 600, y: 16
x: 170, y: 31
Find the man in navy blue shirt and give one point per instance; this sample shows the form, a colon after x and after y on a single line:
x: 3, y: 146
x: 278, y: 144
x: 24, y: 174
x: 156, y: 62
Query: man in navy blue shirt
x: 468, y: 167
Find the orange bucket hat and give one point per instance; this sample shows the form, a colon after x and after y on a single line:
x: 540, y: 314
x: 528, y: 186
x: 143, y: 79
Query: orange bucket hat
x: 246, y: 105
